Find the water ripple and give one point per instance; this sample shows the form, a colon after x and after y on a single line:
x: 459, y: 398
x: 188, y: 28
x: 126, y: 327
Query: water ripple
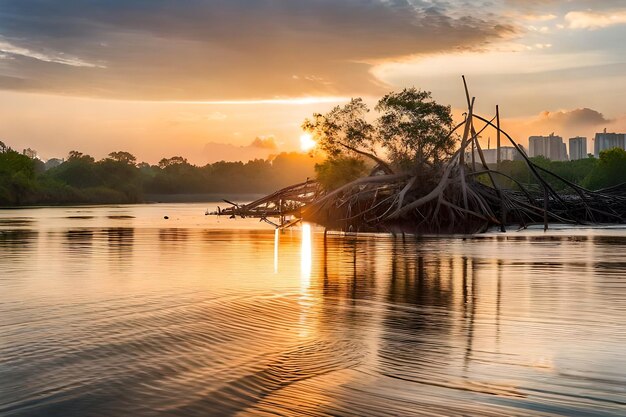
x: 114, y: 313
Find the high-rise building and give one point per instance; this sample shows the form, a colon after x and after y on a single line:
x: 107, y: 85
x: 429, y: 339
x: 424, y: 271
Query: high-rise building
x: 551, y: 147
x: 604, y: 141
x: 507, y: 153
x: 510, y: 153
x: 577, y: 148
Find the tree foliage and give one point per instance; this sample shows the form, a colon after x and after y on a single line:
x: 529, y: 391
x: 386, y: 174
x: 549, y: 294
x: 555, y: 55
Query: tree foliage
x: 343, y: 130
x: 592, y: 173
x: 411, y: 129
x: 123, y: 157
x: 609, y: 171
x: 17, y: 177
x: 119, y: 179
x: 335, y: 172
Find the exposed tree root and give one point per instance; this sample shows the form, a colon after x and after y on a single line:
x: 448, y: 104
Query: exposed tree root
x: 442, y: 198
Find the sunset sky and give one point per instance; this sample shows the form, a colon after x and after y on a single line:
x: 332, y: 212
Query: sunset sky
x: 234, y: 79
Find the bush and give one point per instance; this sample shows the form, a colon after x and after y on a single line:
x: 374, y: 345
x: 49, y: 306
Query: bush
x: 610, y: 170
x: 335, y: 172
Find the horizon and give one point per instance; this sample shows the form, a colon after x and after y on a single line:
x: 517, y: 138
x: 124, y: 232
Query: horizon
x: 233, y: 81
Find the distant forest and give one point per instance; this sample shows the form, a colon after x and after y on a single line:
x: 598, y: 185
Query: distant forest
x: 118, y: 178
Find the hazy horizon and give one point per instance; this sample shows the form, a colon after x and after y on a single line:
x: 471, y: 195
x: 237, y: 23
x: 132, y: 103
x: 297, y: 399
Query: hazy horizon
x: 206, y: 79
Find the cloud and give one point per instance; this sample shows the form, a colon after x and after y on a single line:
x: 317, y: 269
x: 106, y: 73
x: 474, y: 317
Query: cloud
x: 260, y: 148
x: 9, y: 49
x: 264, y: 142
x: 228, y: 49
x: 594, y: 20
x: 566, y: 123
x: 574, y: 118
x: 540, y: 17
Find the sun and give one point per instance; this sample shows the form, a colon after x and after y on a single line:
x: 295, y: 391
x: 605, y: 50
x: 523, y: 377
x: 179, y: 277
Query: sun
x: 306, y: 142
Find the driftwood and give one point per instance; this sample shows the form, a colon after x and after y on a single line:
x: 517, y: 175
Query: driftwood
x: 284, y: 204
x: 452, y: 197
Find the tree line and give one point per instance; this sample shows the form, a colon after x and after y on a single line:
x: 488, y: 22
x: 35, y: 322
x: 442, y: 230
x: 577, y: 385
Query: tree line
x: 119, y: 178
x: 592, y: 173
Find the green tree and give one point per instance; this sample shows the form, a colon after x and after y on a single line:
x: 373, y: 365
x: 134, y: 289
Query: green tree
x: 335, y: 172
x: 17, y: 177
x: 118, y: 172
x: 173, y: 161
x: 343, y: 130
x: 78, y: 171
x: 609, y: 171
x: 413, y: 128
x: 124, y: 157
x: 79, y: 156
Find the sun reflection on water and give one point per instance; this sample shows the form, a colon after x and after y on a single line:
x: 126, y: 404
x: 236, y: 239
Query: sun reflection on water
x: 276, y: 243
x: 306, y: 255
x: 306, y: 264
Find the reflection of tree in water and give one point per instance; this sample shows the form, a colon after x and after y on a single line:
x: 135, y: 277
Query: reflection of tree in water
x: 173, y: 235
x: 257, y: 240
x: 425, y: 326
x: 16, y: 222
x: 412, y: 303
x: 120, y: 236
x: 17, y: 239
x: 609, y: 244
x: 418, y: 278
x: 619, y: 241
x: 348, y: 267
x: 120, y: 240
x: 79, y: 241
x: 347, y: 281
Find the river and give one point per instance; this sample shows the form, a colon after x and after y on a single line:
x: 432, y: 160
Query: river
x: 117, y: 311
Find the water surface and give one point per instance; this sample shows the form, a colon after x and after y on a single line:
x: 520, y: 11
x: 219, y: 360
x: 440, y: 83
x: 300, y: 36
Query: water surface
x: 111, y: 311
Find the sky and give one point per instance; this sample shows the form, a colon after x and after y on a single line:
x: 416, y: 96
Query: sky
x: 234, y: 79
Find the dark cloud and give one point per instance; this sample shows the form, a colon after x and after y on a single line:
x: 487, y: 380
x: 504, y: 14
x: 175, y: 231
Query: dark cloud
x: 194, y: 49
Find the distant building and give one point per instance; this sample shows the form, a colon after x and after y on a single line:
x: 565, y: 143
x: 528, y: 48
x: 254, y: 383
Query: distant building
x: 577, y: 148
x: 604, y: 141
x: 490, y: 156
x: 53, y: 163
x: 507, y: 153
x: 551, y: 147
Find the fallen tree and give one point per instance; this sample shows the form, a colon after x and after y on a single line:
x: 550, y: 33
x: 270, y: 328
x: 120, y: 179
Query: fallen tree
x: 451, y: 195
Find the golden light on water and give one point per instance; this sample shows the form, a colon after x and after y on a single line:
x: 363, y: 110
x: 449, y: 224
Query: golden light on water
x: 307, y: 142
x: 306, y: 265
x: 306, y: 257
x: 276, y: 243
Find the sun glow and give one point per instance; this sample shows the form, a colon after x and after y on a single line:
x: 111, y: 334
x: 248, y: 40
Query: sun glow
x: 307, y: 142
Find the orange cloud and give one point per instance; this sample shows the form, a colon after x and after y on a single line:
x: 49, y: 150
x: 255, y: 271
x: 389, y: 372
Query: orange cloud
x: 566, y: 123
